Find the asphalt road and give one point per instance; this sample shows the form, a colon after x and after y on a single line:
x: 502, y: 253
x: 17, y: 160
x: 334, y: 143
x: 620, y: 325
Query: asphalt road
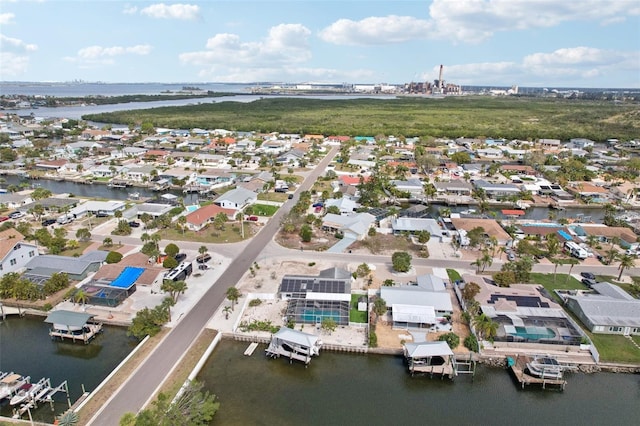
x: 143, y: 383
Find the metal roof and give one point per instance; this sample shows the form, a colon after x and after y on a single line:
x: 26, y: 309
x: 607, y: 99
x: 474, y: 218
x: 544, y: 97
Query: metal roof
x: 425, y: 350
x: 68, y: 318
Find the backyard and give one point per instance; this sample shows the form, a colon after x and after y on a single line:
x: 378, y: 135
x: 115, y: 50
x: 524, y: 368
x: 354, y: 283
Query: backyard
x: 230, y: 234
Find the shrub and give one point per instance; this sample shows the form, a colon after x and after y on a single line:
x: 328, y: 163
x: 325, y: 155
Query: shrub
x: 312, y: 263
x: 113, y: 257
x: 471, y: 343
x: 171, y: 249
x: 452, y: 339
x: 373, y: 339
x: 169, y: 262
x: 255, y: 302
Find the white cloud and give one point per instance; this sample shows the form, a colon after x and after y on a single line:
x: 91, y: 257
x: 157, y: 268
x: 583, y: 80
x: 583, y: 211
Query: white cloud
x: 16, y: 44
x: 285, y: 45
x: 473, y: 21
x: 93, y: 52
x: 6, y: 18
x: 560, y: 67
x: 130, y: 10
x: 12, y: 65
x: 376, y: 30
x: 174, y: 11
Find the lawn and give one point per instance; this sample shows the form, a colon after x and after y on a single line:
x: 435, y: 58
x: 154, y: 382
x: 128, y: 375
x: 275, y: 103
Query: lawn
x: 616, y: 348
x: 82, y: 246
x: 264, y: 209
x: 230, y: 234
x: 354, y: 314
x: 278, y: 197
x: 453, y: 275
x: 561, y: 283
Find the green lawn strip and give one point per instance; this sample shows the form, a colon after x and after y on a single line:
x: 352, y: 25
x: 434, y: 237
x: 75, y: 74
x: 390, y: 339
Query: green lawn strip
x: 230, y: 234
x: 616, y: 348
x: 453, y: 275
x: 82, y: 245
x: 264, y: 209
x: 277, y: 197
x: 354, y: 314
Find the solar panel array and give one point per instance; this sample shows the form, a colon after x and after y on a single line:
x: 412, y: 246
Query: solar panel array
x: 292, y: 284
x: 523, y: 301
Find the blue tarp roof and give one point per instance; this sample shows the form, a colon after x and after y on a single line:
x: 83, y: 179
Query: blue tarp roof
x: 565, y: 235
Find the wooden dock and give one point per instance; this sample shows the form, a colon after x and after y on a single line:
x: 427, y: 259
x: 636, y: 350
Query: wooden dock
x: 519, y: 371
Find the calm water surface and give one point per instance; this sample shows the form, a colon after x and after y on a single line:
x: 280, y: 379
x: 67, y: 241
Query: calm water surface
x: 26, y: 348
x: 349, y: 389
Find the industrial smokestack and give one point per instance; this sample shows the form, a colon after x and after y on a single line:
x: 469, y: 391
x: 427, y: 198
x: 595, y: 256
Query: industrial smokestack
x: 440, y: 77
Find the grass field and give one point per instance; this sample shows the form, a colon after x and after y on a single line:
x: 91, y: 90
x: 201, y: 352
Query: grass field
x: 230, y: 234
x: 264, y: 209
x: 508, y: 117
x: 354, y: 314
x: 615, y: 348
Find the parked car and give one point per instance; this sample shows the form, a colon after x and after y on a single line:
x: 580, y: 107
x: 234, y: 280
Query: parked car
x: 511, y: 256
x: 253, y: 218
x: 4, y: 218
x: 16, y: 215
x: 203, y: 267
x: 102, y: 214
x: 180, y: 257
x: 588, y: 275
x: 134, y: 224
x: 603, y: 259
x: 203, y: 258
x: 589, y: 282
x: 290, y: 196
x: 48, y: 222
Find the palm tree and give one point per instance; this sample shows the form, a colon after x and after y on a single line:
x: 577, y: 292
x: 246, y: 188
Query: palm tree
x: 556, y: 263
x: 156, y: 239
x: 573, y: 262
x: 553, y: 245
x: 174, y: 288
x: 486, y: 259
x: 81, y: 296
x: 226, y: 311
x: 485, y: 326
x: 68, y: 418
x: 233, y: 295
x: 626, y: 262
x: 203, y: 250
x: 182, y: 221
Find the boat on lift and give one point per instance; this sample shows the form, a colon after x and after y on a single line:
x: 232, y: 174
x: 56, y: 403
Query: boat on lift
x: 28, y: 391
x: 11, y: 383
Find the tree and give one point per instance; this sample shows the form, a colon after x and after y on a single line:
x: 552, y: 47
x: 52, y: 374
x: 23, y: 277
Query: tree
x: 485, y: 326
x: 107, y: 242
x: 476, y: 236
x: 572, y: 262
x: 83, y: 234
x: 626, y: 262
x: 122, y: 228
x: 171, y: 250
x: 169, y: 262
x: 192, y: 407
x: 363, y: 270
x: 226, y: 311
x: 423, y: 237
x: 203, y: 250
x: 148, y: 322
x: 113, y: 257
x: 37, y: 211
x: 56, y: 282
x: 182, y: 221
x: 379, y: 307
x: 174, y: 288
x: 233, y: 295
x: 470, y: 291
x: 329, y: 325
x: 401, y: 261
x: 452, y: 339
x: 219, y: 220
x: 306, y: 232
x: 40, y: 193
x: 68, y: 418
x: 80, y: 296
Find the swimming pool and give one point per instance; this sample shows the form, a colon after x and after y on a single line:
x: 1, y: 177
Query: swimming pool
x: 531, y: 332
x: 311, y: 315
x: 192, y: 208
x: 127, y: 277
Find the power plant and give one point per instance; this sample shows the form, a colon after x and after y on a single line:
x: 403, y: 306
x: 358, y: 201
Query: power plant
x: 439, y: 87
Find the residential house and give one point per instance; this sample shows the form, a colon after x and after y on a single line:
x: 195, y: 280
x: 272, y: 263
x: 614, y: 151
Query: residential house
x: 344, y: 204
x: 412, y: 186
x: 497, y: 190
x: 490, y: 226
x: 236, y: 199
x: 311, y: 299
x: 455, y: 187
x: 413, y: 225
x: 245, y: 145
x: 14, y: 201
x: 418, y: 306
x: 133, y: 151
x: 98, y: 207
x: 57, y: 166
x: 152, y: 209
x: 77, y: 268
x: 491, y: 153
x: 628, y: 192
x: 547, y: 144
x: 94, y: 134
x: 606, y: 234
x: 140, y: 174
x: 589, y: 191
x: 15, y: 252
x: 291, y: 157
x: 607, y: 310
x: 199, y: 219
x: 354, y: 226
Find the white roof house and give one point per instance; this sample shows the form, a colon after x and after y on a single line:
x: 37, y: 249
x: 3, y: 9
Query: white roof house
x: 413, y: 224
x: 416, y: 295
x: 108, y: 207
x: 354, y: 225
x: 413, y: 314
x: 236, y: 198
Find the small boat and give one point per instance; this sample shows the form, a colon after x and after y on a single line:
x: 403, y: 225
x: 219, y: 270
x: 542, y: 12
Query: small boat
x: 27, y: 392
x: 545, y: 367
x: 11, y: 383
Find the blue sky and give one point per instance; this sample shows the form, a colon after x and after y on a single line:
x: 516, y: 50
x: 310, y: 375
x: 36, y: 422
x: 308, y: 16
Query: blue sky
x: 540, y: 43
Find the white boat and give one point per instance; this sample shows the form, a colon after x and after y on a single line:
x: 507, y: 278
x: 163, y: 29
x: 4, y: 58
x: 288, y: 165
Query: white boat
x: 11, y: 383
x: 545, y: 367
x: 28, y: 391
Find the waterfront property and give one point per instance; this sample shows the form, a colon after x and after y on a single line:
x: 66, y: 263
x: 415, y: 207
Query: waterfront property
x: 542, y: 371
x: 77, y: 268
x: 15, y: 253
x: 311, y: 299
x: 76, y: 326
x: 294, y: 345
x: 430, y: 358
x: 608, y: 310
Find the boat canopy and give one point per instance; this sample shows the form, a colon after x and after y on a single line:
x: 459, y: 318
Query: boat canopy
x: 69, y: 319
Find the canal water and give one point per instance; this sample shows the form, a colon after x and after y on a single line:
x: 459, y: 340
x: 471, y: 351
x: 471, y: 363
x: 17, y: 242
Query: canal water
x: 103, y: 191
x: 350, y: 389
x: 27, y: 349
